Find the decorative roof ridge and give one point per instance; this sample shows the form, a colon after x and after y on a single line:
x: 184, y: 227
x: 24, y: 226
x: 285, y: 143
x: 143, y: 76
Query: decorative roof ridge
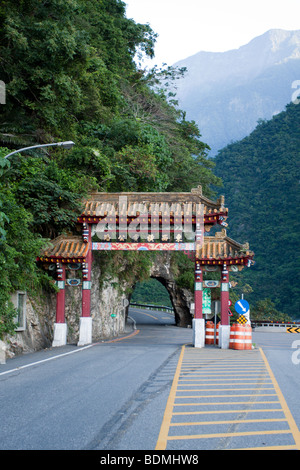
x: 65, y: 246
x: 96, y: 195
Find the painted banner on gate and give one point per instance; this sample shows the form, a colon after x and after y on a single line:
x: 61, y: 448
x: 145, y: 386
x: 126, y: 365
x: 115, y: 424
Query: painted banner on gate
x: 107, y: 246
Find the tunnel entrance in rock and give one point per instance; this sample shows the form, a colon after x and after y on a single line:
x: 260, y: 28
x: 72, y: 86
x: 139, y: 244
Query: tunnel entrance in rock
x: 161, y: 288
x: 151, y: 292
x: 150, y: 302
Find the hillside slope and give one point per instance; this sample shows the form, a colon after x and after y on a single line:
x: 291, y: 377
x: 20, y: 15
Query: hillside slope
x: 261, y: 183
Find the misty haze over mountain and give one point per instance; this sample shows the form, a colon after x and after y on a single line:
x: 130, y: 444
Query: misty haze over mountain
x: 226, y: 93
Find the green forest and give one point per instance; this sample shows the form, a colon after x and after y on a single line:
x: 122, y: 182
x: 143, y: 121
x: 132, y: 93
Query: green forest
x: 70, y: 73
x: 151, y: 292
x: 261, y: 181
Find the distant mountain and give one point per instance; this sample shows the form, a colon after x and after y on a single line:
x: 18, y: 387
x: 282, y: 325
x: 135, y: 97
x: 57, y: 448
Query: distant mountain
x: 227, y: 93
x: 261, y: 176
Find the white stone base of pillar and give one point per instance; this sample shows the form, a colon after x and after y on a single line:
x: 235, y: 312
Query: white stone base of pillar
x: 85, y: 331
x: 59, y: 335
x: 2, y: 352
x: 199, y: 332
x: 224, y: 336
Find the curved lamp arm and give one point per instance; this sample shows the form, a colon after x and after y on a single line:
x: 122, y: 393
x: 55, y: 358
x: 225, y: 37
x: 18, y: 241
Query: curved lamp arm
x: 67, y: 145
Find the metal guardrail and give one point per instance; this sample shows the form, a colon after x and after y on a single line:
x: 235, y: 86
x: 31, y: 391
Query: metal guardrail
x: 272, y: 324
x: 162, y: 308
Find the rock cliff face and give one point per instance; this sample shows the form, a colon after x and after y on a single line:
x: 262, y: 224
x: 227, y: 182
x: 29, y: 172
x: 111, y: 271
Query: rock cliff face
x: 226, y: 93
x: 39, y: 327
x: 107, y: 298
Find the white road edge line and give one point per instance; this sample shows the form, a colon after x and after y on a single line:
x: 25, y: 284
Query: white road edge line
x: 46, y: 360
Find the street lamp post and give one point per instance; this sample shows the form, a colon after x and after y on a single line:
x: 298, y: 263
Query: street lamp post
x: 60, y: 331
x: 67, y: 145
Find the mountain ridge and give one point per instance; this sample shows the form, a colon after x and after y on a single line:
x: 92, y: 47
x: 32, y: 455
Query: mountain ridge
x: 227, y: 93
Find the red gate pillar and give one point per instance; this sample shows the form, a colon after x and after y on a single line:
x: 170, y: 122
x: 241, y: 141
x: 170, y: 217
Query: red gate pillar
x: 198, y: 290
x: 60, y: 326
x: 85, y: 327
x: 224, y: 332
x: 86, y: 285
x: 198, y: 321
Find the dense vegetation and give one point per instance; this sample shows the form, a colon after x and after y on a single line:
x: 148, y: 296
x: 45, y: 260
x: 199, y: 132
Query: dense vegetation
x: 70, y: 74
x: 261, y: 183
x: 151, y: 292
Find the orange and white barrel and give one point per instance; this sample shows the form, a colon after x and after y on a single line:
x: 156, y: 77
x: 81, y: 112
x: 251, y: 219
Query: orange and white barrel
x: 209, y: 332
x: 232, y: 336
x: 239, y: 341
x: 248, y: 337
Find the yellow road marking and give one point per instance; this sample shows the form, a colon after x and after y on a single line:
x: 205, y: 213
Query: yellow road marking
x: 123, y: 337
x: 164, y: 430
x: 227, y: 434
x: 148, y: 315
x: 225, y: 403
x: 288, y: 414
x: 259, y: 410
x: 265, y: 374
x: 231, y: 379
x: 229, y: 396
x: 222, y: 389
x: 204, y: 423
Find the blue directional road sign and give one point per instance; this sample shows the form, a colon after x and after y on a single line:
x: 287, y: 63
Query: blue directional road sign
x: 241, y: 306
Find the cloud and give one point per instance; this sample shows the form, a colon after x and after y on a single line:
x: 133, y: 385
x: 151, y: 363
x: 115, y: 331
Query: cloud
x: 189, y: 26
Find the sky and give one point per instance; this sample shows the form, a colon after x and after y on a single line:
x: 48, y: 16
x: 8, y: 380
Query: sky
x: 186, y: 27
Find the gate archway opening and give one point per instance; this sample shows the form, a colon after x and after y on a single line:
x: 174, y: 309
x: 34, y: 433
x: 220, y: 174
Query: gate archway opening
x: 152, y: 292
x: 152, y: 296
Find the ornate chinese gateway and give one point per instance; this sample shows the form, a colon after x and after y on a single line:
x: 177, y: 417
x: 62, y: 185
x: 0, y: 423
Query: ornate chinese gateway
x: 147, y: 222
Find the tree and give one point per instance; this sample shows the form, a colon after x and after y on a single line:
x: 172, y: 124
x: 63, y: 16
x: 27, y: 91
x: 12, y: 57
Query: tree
x: 261, y: 178
x: 19, y: 247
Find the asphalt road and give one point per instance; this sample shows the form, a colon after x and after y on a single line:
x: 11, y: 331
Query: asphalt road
x: 113, y: 395
x: 73, y: 398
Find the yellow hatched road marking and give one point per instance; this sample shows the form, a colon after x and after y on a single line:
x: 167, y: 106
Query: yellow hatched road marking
x: 164, y: 430
x: 205, y: 375
x: 223, y: 367
x: 259, y: 410
x: 204, y: 423
x: 225, y: 403
x: 288, y: 414
x: 227, y: 434
x: 221, y: 389
x: 229, y: 396
x: 213, y: 374
x: 231, y: 381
